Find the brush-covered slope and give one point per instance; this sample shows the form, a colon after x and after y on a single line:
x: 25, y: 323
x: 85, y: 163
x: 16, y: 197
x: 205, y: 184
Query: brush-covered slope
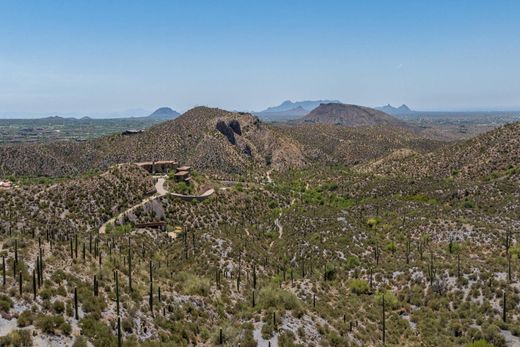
x: 492, y: 153
x: 350, y: 115
x: 210, y: 139
x: 350, y: 146
x: 72, y: 205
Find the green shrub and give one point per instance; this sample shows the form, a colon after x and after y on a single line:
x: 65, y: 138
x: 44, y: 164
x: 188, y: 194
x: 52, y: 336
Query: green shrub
x: 197, y: 286
x: 359, y: 286
x: 372, y: 222
x: 58, y: 306
x: 272, y: 296
x: 100, y: 334
x: 80, y: 341
x: 479, y: 343
x: 17, y: 338
x: 352, y: 262
x: 5, y: 303
x: 25, y: 318
x: 49, y: 324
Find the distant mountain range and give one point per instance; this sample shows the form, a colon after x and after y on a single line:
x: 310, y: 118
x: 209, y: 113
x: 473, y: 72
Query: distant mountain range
x: 395, y: 111
x: 162, y: 113
x: 291, y: 114
x: 289, y: 110
x: 307, y: 105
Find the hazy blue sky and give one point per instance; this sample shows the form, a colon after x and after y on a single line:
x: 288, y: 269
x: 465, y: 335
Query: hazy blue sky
x: 103, y: 56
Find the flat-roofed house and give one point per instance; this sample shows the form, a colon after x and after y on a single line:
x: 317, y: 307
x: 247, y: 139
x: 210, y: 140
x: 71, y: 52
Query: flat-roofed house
x: 184, y: 168
x: 160, y: 166
x: 5, y: 185
x: 182, y: 176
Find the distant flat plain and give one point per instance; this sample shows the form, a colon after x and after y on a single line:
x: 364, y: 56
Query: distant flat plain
x: 445, y: 126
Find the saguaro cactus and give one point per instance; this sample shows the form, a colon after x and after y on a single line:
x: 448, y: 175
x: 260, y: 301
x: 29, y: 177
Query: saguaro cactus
x: 129, y: 265
x: 150, y: 300
x: 16, y: 251
x: 384, y: 320
x: 119, y: 337
x: 34, y: 284
x: 117, y: 292
x: 3, y: 271
x: 96, y: 286
x: 76, y: 315
x: 504, y: 307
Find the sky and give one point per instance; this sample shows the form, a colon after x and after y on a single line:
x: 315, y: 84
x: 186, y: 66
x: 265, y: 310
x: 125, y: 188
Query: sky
x: 103, y: 57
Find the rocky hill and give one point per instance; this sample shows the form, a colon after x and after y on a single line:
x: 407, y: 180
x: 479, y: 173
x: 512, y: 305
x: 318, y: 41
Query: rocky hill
x: 351, y: 116
x: 209, y: 139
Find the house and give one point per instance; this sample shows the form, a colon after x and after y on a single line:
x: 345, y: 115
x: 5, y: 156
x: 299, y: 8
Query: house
x: 5, y: 185
x: 184, y: 168
x: 154, y: 225
x: 132, y: 132
x: 182, y: 176
x: 161, y: 166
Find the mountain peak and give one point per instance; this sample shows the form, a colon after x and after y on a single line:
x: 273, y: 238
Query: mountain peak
x: 164, y: 113
x: 350, y: 115
x: 395, y: 111
x: 307, y: 105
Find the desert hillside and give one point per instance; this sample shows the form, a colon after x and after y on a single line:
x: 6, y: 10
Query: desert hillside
x: 351, y: 116
x: 209, y: 139
x: 491, y: 153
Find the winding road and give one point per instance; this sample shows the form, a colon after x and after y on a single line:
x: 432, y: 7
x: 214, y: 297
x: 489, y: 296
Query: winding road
x: 160, y: 191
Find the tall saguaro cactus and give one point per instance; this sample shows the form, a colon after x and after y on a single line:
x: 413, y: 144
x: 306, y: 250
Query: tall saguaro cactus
x: 117, y: 292
x: 34, y: 283
x: 384, y: 321
x: 150, y: 300
x: 76, y: 315
x: 504, y: 307
x: 129, y: 265
x: 119, y: 337
x: 3, y: 271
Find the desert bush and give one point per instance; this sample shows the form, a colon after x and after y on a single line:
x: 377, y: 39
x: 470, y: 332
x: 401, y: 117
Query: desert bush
x: 80, y: 341
x: 25, y: 318
x: 479, y: 343
x: 5, y: 303
x: 17, y: 338
x: 49, y: 324
x: 197, y: 286
x: 271, y: 297
x: 359, y: 286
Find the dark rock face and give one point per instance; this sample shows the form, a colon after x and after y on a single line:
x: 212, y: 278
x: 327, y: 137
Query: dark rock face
x: 235, y: 125
x: 226, y: 131
x: 247, y: 150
